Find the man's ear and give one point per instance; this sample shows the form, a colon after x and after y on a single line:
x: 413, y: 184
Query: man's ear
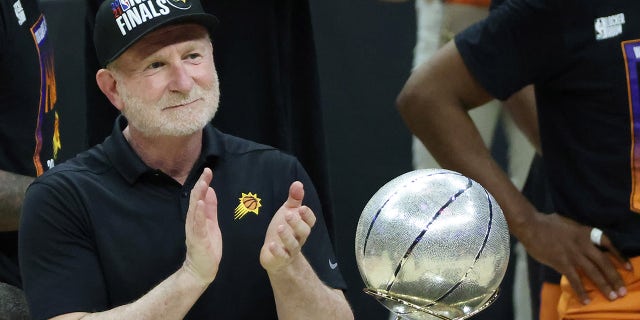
x: 107, y: 84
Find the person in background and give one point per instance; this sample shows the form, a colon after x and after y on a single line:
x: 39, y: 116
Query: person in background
x: 583, y: 68
x: 437, y: 23
x: 29, y: 130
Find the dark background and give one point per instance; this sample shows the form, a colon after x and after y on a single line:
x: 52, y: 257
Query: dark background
x: 364, y: 50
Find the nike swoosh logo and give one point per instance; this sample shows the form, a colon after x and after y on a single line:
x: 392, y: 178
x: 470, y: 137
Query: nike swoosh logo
x: 332, y: 265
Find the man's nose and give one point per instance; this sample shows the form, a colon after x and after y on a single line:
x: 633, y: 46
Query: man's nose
x: 181, y: 80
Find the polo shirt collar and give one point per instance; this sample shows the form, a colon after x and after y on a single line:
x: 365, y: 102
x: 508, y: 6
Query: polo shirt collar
x: 127, y: 162
x: 212, y: 148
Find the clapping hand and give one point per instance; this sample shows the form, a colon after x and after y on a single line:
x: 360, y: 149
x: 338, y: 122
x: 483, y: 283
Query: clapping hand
x: 203, y: 236
x: 287, y: 232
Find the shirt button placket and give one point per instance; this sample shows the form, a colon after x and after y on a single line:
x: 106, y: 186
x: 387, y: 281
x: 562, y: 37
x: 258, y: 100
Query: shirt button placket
x: 184, y: 203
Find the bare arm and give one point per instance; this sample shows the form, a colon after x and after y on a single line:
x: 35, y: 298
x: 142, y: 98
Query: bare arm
x: 521, y: 106
x: 298, y: 292
x: 440, y: 89
x: 434, y: 104
x: 171, y: 299
x: 175, y: 296
x: 12, y: 188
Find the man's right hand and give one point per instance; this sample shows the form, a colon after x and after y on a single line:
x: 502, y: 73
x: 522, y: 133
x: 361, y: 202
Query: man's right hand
x: 203, y: 236
x: 566, y: 246
x: 176, y: 295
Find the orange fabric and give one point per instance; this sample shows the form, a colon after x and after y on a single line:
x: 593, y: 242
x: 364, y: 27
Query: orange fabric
x: 600, y: 308
x: 480, y: 3
x: 549, y: 297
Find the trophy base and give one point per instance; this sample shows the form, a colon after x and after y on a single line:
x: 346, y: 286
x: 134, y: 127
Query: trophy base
x: 403, y: 308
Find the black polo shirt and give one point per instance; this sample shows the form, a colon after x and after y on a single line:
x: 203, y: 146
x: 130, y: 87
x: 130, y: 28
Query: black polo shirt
x: 103, y: 229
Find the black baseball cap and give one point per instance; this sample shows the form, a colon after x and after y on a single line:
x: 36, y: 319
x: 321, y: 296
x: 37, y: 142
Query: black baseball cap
x: 120, y: 23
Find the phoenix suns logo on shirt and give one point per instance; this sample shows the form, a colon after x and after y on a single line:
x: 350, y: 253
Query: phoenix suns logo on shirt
x: 249, y: 202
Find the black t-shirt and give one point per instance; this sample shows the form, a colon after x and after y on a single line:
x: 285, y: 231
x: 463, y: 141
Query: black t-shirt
x: 495, y: 3
x: 582, y: 56
x: 102, y: 229
x: 28, y: 133
x: 29, y: 137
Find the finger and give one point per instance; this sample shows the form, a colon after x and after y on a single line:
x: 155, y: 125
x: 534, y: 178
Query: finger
x: 619, y: 257
x: 300, y: 228
x: 189, y: 222
x: 278, y: 251
x: 196, y: 194
x: 207, y: 175
x: 596, y: 270
x: 307, y: 216
x: 288, y: 239
x: 200, y: 222
x: 211, y: 205
x: 576, y: 284
x: 200, y: 188
x: 296, y: 194
x: 612, y: 278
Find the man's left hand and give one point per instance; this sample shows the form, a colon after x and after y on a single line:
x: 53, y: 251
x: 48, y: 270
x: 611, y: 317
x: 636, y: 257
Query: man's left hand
x: 287, y: 232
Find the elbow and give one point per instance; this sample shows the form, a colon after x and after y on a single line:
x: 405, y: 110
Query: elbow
x: 406, y: 100
x: 414, y: 104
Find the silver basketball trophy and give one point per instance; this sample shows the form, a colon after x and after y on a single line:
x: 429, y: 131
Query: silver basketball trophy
x: 432, y: 244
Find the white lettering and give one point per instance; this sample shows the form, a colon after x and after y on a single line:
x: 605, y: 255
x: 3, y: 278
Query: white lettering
x: 609, y: 27
x: 121, y: 24
x: 42, y: 31
x: 144, y: 13
x: 19, y: 11
x: 164, y: 10
x: 140, y: 14
x: 152, y: 8
x: 636, y: 51
x: 134, y: 17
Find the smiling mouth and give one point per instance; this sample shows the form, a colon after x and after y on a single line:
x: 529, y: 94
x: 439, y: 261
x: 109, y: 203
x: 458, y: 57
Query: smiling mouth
x: 181, y: 105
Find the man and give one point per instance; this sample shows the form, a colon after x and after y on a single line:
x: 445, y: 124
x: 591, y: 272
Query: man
x: 580, y: 55
x: 29, y: 136
x: 133, y: 229
x: 277, y: 46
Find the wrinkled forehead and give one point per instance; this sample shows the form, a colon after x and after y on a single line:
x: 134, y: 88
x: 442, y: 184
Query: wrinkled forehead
x: 166, y: 36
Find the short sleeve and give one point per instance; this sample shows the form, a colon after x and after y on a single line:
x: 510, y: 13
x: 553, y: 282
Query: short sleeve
x: 60, y: 270
x: 319, y: 249
x: 514, y: 46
